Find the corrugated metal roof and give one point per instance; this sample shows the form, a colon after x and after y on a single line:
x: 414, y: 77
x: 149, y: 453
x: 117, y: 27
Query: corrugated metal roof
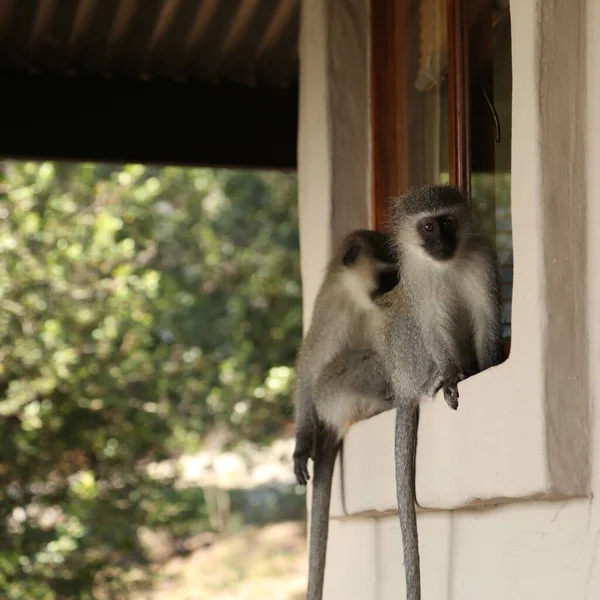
x: 209, y: 40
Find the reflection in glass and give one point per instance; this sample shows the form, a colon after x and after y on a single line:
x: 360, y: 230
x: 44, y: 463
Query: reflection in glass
x: 491, y: 175
x: 423, y: 108
x: 427, y: 94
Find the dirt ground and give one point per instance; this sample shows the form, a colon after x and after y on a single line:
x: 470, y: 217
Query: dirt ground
x: 267, y: 562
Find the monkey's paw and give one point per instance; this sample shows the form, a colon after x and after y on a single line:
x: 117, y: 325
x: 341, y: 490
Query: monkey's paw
x: 301, y: 467
x: 451, y: 390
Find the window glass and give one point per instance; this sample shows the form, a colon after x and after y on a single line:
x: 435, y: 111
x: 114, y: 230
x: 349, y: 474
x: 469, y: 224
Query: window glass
x: 491, y: 101
x: 427, y: 131
x: 428, y: 94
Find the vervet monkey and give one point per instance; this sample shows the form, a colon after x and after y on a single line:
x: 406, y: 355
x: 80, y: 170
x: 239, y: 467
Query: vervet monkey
x: 340, y: 379
x: 441, y: 325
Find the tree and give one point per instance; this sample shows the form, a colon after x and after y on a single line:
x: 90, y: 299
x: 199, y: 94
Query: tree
x: 140, y: 307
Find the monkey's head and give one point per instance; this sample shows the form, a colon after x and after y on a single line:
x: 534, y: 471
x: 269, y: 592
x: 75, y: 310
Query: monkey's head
x: 434, y: 219
x: 368, y: 263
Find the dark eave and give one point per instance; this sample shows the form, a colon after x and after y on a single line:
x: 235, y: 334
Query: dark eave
x: 168, y: 81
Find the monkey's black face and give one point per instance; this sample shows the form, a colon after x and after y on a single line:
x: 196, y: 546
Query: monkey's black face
x: 386, y: 280
x: 439, y: 236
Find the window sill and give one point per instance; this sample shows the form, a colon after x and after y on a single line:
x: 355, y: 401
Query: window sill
x: 499, y: 446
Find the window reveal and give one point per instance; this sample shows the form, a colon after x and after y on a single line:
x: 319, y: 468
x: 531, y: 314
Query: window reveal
x: 441, y: 88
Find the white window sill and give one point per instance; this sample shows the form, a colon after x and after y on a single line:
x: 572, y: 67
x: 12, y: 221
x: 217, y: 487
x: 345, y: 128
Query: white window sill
x: 498, y: 446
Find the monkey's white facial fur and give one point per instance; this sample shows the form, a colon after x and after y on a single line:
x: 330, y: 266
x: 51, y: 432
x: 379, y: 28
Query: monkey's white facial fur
x: 360, y: 281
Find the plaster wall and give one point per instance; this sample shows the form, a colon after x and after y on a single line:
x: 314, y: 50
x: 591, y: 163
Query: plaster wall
x: 519, y: 461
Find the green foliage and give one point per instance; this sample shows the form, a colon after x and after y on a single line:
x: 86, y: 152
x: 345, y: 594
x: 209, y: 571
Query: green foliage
x: 140, y: 307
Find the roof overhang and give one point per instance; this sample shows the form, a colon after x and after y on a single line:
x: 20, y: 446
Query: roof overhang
x: 162, y: 81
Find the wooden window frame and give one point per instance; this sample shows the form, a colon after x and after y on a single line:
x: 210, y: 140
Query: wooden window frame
x: 389, y: 112
x: 469, y: 72
x: 459, y: 122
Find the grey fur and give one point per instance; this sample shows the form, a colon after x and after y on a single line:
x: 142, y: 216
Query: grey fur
x: 340, y: 378
x: 442, y: 324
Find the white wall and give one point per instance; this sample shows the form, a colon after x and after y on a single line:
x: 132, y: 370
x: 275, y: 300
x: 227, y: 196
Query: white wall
x: 527, y: 429
x: 333, y: 144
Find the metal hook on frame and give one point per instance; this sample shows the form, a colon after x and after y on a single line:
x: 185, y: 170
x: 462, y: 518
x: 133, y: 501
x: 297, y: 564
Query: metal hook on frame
x: 497, y: 132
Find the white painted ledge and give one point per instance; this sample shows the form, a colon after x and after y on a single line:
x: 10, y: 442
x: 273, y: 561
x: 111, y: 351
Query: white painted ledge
x: 490, y: 450
x: 495, y: 448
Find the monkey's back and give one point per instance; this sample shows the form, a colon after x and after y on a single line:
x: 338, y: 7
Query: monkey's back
x: 338, y: 323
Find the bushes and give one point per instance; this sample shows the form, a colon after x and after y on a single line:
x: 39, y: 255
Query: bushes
x: 140, y: 308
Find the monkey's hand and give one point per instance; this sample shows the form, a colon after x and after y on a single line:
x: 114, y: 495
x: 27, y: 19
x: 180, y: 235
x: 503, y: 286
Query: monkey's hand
x: 301, y: 457
x: 450, y: 386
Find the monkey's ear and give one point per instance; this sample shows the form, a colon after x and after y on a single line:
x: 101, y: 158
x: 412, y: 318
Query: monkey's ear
x: 351, y: 255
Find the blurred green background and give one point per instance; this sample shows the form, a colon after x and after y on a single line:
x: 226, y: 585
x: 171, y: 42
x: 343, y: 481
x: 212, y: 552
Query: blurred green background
x: 144, y: 311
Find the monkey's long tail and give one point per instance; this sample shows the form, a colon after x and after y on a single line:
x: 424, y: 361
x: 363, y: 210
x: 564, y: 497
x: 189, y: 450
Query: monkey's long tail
x: 325, y: 454
x: 342, y: 478
x: 407, y: 419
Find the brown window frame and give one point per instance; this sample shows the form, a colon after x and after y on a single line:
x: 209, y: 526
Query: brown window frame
x: 469, y: 73
x: 469, y: 70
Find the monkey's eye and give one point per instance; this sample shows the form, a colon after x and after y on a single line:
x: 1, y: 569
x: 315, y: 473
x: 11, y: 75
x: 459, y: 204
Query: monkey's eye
x: 449, y: 223
x: 428, y: 227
